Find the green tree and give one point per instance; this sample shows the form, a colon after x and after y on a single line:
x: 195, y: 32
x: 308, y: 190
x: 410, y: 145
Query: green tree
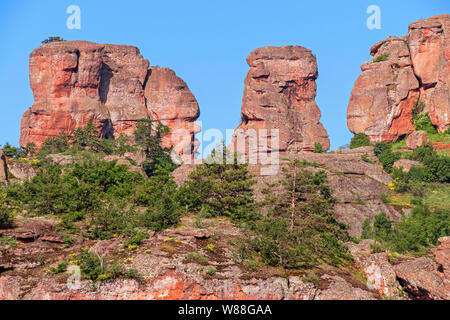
x: 387, y: 157
x: 87, y: 138
x: 10, y: 151
x: 6, y: 212
x: 422, y: 121
x: 360, y: 140
x: 299, y: 229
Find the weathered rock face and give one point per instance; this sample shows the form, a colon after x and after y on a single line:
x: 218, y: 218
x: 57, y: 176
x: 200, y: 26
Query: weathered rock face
x: 385, y: 94
x: 165, y: 274
x: 417, y: 139
x: 20, y: 170
x: 279, y: 93
x: 171, y: 102
x: 76, y: 81
x: 406, y: 164
x: 403, y: 71
x: 379, y: 272
x: 3, y: 168
x: 429, y: 43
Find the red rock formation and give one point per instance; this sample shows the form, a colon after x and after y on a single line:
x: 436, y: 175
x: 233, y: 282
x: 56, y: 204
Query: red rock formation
x: 417, y: 139
x: 76, y: 81
x: 403, y: 71
x: 427, y: 279
x: 171, y: 102
x: 279, y: 93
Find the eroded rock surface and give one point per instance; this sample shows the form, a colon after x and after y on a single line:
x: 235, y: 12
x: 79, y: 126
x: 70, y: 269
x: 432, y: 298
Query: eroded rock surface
x: 76, y: 81
x: 279, y: 93
x: 404, y: 71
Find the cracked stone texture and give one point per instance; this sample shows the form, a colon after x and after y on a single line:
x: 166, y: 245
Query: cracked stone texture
x: 417, y: 67
x: 279, y: 93
x: 76, y: 81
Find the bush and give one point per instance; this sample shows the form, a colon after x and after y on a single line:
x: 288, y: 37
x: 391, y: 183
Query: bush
x: 416, y: 232
x: 360, y: 140
x: 53, y: 39
x: 421, y: 229
x: 422, y: 121
x: 112, y: 218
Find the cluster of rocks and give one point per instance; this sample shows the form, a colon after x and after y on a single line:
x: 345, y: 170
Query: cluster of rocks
x: 405, y: 73
x: 76, y: 81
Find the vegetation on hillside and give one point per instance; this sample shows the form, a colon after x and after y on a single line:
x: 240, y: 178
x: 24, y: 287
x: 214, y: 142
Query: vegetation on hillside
x: 299, y: 229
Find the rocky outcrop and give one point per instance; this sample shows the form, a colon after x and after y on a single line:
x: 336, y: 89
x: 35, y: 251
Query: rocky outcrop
x: 357, y: 184
x: 379, y: 272
x: 3, y: 167
x: 406, y: 164
x: 427, y: 279
x: 76, y: 81
x: 429, y: 44
x: 21, y: 169
x: 405, y: 72
x: 385, y: 93
x: 279, y: 93
x: 417, y: 139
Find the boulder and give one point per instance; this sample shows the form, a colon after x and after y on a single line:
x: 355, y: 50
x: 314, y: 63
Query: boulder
x: 279, y: 93
x: 21, y: 170
x: 429, y: 43
x: 385, y: 94
x: 3, y: 167
x: 406, y: 164
x: 379, y: 272
x: 417, y: 139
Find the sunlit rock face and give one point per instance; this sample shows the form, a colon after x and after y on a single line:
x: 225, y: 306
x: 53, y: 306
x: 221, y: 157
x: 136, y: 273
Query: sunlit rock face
x: 75, y: 81
x: 403, y: 71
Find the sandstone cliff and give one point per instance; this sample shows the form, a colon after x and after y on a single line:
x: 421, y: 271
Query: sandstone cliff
x: 76, y: 81
x: 403, y: 71
x: 279, y: 93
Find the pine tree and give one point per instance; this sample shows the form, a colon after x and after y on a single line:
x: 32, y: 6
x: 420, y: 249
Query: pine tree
x: 222, y: 186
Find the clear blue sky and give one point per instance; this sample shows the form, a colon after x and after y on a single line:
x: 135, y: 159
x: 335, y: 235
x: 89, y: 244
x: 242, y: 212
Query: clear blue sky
x: 206, y: 43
